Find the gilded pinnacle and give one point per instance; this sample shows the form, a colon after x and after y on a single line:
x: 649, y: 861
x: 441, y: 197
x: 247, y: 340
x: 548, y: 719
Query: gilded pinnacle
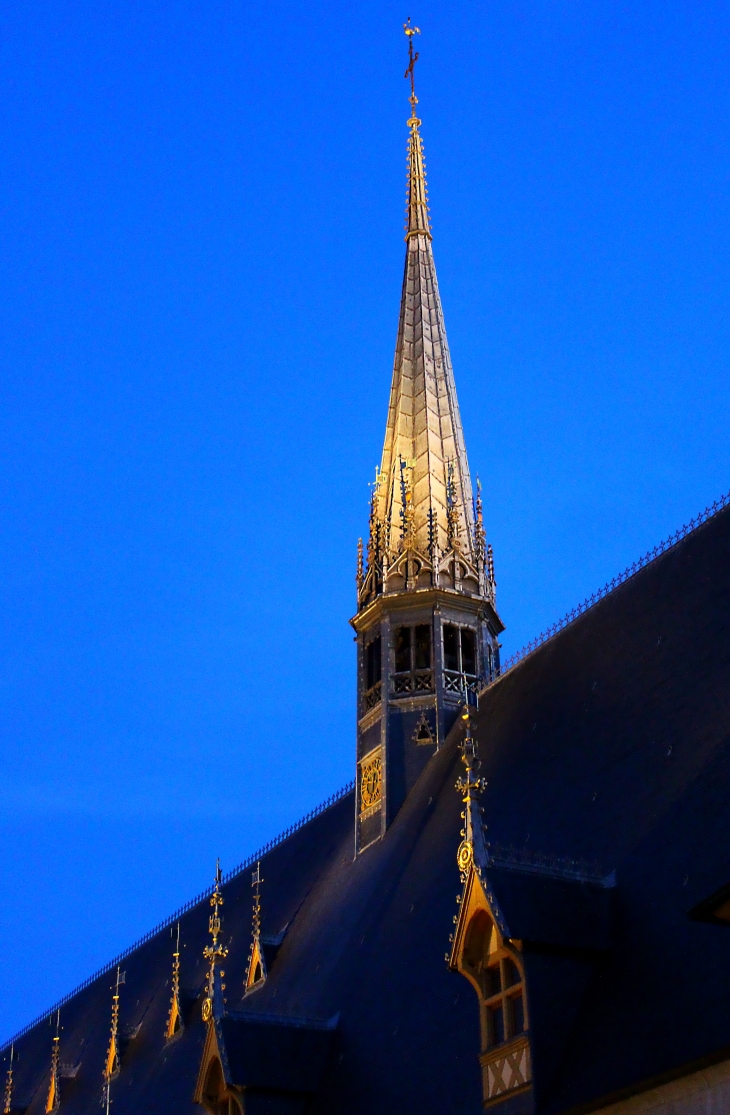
x: 214, y: 1003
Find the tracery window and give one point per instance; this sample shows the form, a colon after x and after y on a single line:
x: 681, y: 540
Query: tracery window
x: 412, y: 660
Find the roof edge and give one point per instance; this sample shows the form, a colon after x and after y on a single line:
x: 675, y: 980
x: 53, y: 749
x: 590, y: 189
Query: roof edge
x: 610, y: 587
x: 168, y: 921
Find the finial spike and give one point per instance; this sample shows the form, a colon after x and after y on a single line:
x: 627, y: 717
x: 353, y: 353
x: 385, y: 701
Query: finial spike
x: 214, y: 1003
x: 174, y: 1015
x: 7, y: 1105
x: 257, y: 963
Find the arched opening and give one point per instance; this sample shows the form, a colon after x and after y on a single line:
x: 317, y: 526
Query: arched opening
x: 495, y: 970
x: 217, y: 1100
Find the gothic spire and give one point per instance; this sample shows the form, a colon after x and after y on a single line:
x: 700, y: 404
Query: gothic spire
x: 424, y: 495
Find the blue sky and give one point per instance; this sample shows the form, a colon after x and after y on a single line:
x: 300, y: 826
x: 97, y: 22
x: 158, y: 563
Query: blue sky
x: 201, y: 249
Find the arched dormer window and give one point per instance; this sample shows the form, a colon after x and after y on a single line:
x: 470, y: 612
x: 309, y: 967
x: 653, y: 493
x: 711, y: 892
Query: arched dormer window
x: 494, y: 968
x: 495, y: 971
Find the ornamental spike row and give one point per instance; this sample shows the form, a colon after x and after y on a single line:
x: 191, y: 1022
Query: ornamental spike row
x: 651, y: 555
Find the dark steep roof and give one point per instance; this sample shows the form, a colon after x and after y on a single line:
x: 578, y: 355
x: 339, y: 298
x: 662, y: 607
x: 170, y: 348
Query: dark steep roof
x: 608, y: 745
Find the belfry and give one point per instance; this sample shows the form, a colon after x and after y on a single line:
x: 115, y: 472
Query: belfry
x: 427, y: 625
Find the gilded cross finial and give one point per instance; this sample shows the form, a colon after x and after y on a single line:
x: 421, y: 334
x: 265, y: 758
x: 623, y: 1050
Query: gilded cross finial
x: 470, y: 786
x: 213, y: 1004
x: 412, y: 59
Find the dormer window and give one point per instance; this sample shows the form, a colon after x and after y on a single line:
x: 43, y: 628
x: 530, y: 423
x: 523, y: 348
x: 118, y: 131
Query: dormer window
x: 412, y: 660
x: 460, y: 657
x: 493, y: 967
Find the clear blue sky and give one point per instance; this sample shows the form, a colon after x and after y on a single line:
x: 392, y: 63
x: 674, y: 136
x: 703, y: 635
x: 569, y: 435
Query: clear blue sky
x: 201, y: 250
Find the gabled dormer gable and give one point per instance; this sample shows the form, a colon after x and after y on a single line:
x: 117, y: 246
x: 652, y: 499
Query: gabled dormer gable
x: 274, y: 1061
x: 530, y: 931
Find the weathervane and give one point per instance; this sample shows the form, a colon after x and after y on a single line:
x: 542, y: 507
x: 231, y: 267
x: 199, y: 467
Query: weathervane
x: 412, y: 59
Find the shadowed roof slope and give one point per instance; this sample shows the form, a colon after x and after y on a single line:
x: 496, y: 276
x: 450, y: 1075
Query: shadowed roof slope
x: 610, y: 744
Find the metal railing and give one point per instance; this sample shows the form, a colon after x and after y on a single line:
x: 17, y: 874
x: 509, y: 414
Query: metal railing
x: 459, y: 682
x: 412, y: 681
x: 372, y: 696
x: 590, y: 602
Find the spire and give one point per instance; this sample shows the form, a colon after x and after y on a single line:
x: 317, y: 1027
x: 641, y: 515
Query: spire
x: 214, y: 1003
x: 423, y: 497
x: 427, y: 626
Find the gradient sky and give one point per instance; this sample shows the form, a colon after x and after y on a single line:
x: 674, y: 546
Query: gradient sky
x: 200, y: 262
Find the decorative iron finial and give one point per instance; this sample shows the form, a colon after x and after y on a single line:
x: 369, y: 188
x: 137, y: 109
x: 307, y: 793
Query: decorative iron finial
x: 8, y: 1098
x: 470, y: 787
x: 112, y: 1064
x: 256, y: 882
x: 214, y: 1003
x: 417, y: 220
x: 412, y: 59
x: 256, y: 961
x: 53, y: 1100
x: 174, y: 1016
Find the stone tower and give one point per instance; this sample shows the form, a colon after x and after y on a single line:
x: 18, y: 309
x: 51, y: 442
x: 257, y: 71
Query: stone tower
x: 427, y: 627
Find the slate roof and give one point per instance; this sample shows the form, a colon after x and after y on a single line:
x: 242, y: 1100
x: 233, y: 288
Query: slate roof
x: 609, y: 745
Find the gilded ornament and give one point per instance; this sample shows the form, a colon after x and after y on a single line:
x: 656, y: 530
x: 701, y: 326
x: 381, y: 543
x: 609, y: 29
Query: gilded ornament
x: 464, y: 855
